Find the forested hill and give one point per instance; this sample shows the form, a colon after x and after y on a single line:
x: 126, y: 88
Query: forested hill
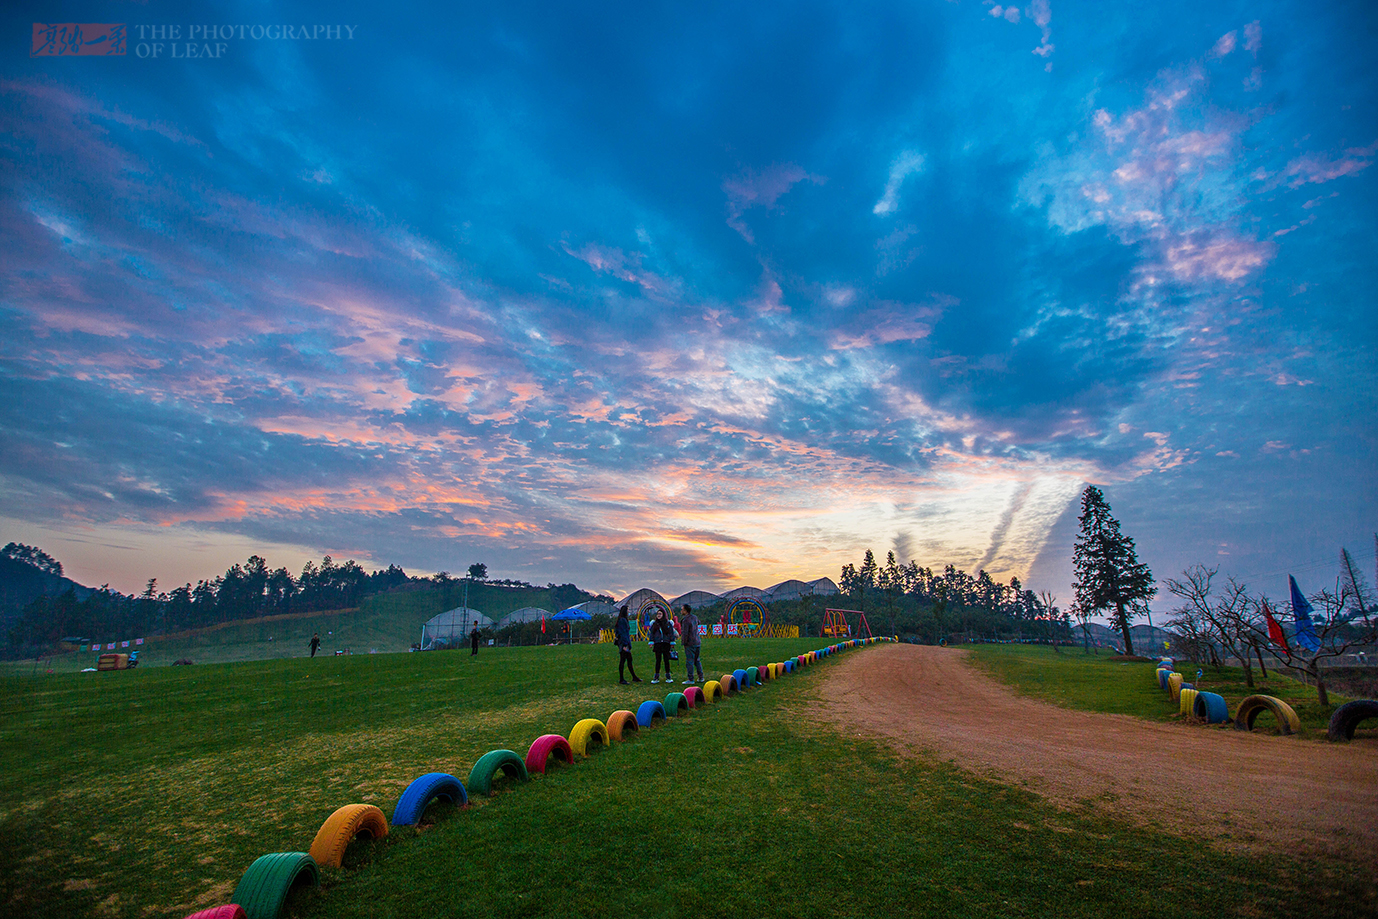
x: 35, y: 621
x: 27, y: 574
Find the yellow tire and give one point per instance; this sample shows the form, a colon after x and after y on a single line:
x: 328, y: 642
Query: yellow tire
x: 1174, y: 686
x: 712, y: 691
x: 1248, y: 711
x: 1186, y: 702
x: 590, y: 729
x: 340, y: 828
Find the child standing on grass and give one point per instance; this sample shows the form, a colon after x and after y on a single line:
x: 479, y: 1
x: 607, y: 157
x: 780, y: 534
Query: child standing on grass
x: 662, y: 639
x: 622, y: 634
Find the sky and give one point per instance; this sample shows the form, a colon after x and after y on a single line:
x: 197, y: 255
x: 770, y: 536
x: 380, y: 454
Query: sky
x: 689, y: 296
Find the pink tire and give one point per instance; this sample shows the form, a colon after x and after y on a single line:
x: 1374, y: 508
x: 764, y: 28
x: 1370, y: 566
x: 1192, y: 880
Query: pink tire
x: 694, y: 695
x: 228, y: 911
x: 543, y: 747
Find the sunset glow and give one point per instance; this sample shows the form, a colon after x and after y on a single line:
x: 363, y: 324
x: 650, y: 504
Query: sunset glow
x: 693, y: 297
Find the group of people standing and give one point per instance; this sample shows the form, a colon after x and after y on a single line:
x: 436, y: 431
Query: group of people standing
x: 663, y: 632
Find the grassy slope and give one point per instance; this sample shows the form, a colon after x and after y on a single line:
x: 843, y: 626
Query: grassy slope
x: 383, y: 622
x: 1098, y: 683
x: 147, y: 793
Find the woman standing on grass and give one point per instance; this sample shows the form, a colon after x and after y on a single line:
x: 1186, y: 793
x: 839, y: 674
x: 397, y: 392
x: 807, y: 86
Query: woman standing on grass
x: 662, y: 640
x: 622, y: 633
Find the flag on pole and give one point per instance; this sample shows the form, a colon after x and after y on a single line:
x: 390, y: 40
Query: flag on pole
x: 1275, y: 633
x: 1301, y: 610
x: 542, y: 623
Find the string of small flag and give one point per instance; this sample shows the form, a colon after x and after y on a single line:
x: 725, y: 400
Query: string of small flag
x: 112, y: 645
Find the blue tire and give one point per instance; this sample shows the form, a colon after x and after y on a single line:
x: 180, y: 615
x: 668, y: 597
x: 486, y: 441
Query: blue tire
x: 1211, y: 707
x: 422, y: 792
x: 740, y: 676
x: 649, y: 711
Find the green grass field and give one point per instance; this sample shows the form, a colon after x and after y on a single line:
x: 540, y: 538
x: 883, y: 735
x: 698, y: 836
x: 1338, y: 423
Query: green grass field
x: 1100, y: 683
x: 147, y: 793
x: 385, y: 623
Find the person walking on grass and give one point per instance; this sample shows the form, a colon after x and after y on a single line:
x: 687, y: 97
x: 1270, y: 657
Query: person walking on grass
x: 473, y: 640
x: 662, y: 640
x: 689, y: 639
x: 622, y: 634
x: 315, y: 643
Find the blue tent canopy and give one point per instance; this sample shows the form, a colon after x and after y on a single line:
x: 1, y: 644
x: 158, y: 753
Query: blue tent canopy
x: 573, y: 614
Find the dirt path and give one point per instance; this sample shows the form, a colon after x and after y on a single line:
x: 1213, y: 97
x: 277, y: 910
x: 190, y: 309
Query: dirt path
x: 1245, y: 791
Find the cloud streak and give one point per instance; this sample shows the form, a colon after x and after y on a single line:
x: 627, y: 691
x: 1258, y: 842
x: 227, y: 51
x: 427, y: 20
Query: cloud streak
x: 645, y: 314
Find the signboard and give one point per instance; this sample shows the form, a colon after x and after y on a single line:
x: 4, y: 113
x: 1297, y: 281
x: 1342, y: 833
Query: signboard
x: 717, y: 628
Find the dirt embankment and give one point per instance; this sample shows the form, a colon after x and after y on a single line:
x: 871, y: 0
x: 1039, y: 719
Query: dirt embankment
x: 1244, y: 791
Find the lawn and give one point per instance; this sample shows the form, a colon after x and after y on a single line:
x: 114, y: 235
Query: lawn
x: 147, y: 793
x: 1102, y: 683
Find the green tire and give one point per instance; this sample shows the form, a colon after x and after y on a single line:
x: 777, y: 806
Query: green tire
x: 265, y: 886
x: 481, y: 776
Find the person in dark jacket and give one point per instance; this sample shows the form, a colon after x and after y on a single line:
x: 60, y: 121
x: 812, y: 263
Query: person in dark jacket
x: 315, y: 643
x: 622, y: 634
x: 662, y: 640
x: 473, y: 640
x: 689, y: 638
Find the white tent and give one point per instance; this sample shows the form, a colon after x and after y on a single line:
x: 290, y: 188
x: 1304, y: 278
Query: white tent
x: 525, y: 614
x: 452, y: 627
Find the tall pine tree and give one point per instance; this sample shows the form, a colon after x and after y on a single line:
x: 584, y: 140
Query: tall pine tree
x: 1109, y: 575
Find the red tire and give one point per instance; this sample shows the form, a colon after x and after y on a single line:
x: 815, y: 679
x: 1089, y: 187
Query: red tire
x: 543, y: 747
x: 694, y: 695
x: 228, y: 911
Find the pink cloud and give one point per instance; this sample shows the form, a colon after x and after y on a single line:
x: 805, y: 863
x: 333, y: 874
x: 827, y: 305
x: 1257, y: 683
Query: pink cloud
x: 1253, y: 37
x: 1219, y: 255
x: 1224, y: 46
x: 1315, y: 168
x: 613, y: 261
x: 760, y: 189
x: 891, y: 323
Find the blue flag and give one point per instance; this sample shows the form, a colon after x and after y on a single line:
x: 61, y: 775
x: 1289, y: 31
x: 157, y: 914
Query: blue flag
x: 1304, y: 634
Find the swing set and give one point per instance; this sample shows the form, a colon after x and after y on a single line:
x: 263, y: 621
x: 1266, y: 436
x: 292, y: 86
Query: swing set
x: 835, y: 623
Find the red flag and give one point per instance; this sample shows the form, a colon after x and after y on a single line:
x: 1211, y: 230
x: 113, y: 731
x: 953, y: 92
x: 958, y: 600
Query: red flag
x: 542, y: 623
x: 1275, y: 633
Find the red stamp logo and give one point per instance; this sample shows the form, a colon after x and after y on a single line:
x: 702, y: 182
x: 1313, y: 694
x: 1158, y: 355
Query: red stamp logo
x: 64, y: 39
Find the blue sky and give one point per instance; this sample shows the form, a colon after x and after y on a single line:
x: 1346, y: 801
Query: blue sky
x: 690, y: 296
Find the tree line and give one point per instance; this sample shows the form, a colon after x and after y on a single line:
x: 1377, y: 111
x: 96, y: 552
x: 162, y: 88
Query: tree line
x: 245, y: 591
x: 928, y: 605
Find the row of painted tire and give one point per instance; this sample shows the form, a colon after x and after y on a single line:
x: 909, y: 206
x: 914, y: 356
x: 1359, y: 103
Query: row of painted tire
x: 264, y: 887
x: 1211, y: 707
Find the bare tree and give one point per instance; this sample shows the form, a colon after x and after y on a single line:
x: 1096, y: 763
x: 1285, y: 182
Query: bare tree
x: 1336, y: 632
x: 1227, y: 618
x: 1194, y: 637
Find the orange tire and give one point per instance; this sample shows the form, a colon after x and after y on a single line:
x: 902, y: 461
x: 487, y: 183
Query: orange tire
x: 620, y: 724
x: 341, y: 827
